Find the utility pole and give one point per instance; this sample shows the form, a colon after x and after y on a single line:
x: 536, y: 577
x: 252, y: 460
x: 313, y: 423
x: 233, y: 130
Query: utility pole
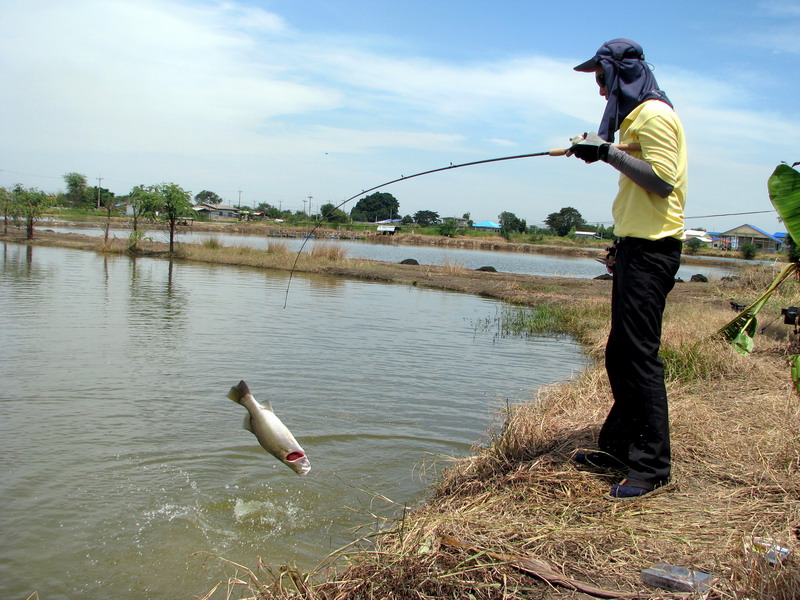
x: 304, y: 205
x: 240, y: 197
x: 310, y: 198
x: 99, y: 181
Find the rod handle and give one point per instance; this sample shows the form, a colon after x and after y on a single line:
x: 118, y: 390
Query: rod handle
x: 624, y: 147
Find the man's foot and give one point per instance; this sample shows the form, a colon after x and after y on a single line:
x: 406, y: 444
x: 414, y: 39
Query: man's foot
x: 633, y: 489
x: 598, y: 461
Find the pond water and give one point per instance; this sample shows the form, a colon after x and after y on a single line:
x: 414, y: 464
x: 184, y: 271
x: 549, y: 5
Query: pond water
x: 123, y: 459
x: 582, y: 267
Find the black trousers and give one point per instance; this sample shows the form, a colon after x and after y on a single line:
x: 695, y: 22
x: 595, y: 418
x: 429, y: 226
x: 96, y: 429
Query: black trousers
x: 636, y: 430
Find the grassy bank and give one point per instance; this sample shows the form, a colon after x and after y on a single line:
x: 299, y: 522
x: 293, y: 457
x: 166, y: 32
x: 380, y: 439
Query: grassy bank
x: 497, y: 524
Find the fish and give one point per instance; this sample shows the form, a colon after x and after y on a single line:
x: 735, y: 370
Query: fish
x: 270, y: 432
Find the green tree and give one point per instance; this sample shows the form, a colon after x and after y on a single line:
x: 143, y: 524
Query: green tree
x: 748, y: 251
x: 447, y: 229
x: 170, y: 203
x: 76, y: 188
x: 511, y: 223
x: 693, y: 245
x: 376, y: 207
x: 332, y: 214
x: 206, y: 197
x: 564, y: 220
x: 30, y: 203
x: 141, y: 201
x: 8, y: 207
x: 426, y: 218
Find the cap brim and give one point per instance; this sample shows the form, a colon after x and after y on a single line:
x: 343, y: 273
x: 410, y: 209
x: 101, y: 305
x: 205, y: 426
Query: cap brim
x: 588, y: 66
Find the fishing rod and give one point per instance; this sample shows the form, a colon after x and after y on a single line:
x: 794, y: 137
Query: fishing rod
x: 552, y: 152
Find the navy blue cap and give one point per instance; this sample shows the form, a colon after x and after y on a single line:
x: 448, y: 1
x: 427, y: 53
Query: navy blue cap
x: 616, y: 49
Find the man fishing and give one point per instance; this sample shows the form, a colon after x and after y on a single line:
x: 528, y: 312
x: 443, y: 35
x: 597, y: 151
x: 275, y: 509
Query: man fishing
x: 648, y: 222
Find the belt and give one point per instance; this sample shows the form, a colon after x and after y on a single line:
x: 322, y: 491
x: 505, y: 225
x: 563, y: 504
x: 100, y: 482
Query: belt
x: 664, y: 240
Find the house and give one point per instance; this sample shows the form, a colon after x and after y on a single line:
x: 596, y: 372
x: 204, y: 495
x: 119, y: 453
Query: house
x: 217, y: 211
x: 459, y: 222
x: 699, y: 234
x: 487, y: 226
x: 733, y: 239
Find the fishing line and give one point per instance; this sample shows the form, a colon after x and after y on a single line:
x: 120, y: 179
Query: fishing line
x: 554, y: 152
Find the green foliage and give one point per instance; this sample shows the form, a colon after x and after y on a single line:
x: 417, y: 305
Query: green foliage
x: 784, y: 193
x: 8, y: 207
x: 748, y: 251
x: 273, y: 212
x: 141, y: 201
x: 742, y: 328
x: 206, y: 197
x: 76, y: 189
x: 447, y: 229
x: 564, y: 220
x: 376, y: 207
x: 30, y: 203
x: 133, y: 240
x: 407, y: 220
x: 332, y: 214
x: 169, y: 202
x: 511, y: 223
x: 426, y: 218
x: 693, y: 245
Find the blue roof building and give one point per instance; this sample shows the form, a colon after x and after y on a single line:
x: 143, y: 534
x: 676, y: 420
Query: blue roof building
x: 487, y: 226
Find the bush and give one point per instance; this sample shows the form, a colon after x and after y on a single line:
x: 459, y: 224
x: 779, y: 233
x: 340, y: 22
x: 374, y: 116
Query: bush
x: 748, y: 251
x: 693, y: 245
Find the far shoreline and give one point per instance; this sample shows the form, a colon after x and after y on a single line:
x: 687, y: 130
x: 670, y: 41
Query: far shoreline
x: 484, y: 243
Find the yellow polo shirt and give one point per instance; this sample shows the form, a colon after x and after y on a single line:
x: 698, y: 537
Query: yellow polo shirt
x: 637, y: 212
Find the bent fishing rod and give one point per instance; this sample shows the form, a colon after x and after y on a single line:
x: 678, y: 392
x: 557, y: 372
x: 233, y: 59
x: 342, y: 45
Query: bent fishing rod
x: 552, y: 152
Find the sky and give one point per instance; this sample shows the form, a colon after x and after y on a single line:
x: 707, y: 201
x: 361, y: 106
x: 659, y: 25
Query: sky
x: 303, y: 103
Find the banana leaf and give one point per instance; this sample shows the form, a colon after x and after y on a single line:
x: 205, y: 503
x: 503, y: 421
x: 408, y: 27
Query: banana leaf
x: 742, y: 328
x: 794, y: 364
x: 784, y: 193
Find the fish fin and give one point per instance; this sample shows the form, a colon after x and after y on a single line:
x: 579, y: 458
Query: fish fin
x: 238, y: 392
x: 266, y: 405
x: 248, y: 425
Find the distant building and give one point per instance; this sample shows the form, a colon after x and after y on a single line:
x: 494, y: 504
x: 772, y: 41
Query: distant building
x: 699, y: 234
x: 588, y: 234
x: 388, y: 229
x: 487, y: 226
x: 459, y: 222
x: 217, y: 211
x: 733, y: 239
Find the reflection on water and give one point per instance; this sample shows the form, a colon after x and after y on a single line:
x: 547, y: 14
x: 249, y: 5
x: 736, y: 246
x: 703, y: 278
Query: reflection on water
x: 123, y: 458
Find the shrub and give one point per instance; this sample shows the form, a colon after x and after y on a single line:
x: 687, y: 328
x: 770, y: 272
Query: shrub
x: 748, y: 251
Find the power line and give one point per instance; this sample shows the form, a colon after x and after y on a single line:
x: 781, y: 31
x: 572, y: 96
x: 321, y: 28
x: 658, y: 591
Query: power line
x: 755, y: 212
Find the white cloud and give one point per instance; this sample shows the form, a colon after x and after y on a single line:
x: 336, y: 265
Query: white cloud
x: 226, y: 92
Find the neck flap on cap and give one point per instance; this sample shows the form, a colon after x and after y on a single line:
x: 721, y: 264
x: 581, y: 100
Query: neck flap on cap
x: 629, y: 82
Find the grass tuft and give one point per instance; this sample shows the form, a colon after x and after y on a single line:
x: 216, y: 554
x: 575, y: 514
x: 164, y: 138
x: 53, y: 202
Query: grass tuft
x: 328, y: 251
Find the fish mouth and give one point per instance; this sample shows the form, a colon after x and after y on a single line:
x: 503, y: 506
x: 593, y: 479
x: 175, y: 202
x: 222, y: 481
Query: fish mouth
x: 293, y: 456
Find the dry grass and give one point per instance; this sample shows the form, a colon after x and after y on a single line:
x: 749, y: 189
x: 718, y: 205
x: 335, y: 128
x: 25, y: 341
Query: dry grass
x: 328, y: 251
x: 736, y: 463
x: 279, y: 247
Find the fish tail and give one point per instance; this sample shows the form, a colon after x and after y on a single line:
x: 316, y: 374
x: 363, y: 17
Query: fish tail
x: 238, y: 392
